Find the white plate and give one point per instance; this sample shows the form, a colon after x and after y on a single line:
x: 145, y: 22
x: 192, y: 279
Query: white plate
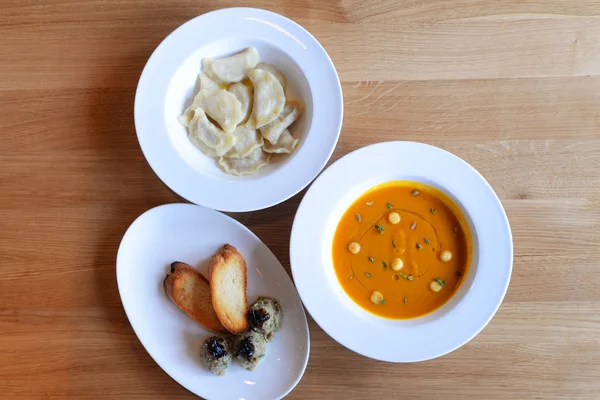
x: 436, y: 334
x: 166, y: 87
x: 188, y: 233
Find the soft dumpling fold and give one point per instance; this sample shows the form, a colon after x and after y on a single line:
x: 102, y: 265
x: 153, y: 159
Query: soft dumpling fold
x: 204, y: 83
x: 246, y: 141
x: 185, y: 118
x: 276, y: 73
x: 291, y: 112
x: 200, y: 144
x: 285, y: 145
x: 231, y: 69
x: 247, y: 165
x: 269, y: 98
x: 244, y: 95
x: 222, y: 106
x: 218, y: 141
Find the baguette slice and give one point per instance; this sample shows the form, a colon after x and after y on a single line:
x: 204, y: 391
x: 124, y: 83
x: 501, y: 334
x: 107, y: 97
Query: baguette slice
x: 190, y: 291
x: 228, y: 289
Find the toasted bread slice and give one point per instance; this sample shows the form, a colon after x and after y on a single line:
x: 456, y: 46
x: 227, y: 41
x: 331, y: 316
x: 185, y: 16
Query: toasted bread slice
x: 228, y: 289
x: 190, y: 291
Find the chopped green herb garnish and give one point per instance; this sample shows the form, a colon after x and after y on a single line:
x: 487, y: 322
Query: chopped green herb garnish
x: 441, y: 282
x: 382, y: 301
x: 419, y: 246
x: 403, y: 275
x: 426, y: 240
x: 371, y: 259
x: 375, y: 226
x: 357, y: 216
x: 389, y: 206
x: 432, y: 211
x: 368, y: 274
x: 383, y: 264
x: 458, y: 273
x: 381, y: 228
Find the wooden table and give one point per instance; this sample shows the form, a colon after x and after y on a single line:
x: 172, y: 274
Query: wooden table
x: 513, y: 87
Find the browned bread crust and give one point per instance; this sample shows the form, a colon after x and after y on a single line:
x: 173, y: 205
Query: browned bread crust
x: 228, y: 289
x: 190, y: 291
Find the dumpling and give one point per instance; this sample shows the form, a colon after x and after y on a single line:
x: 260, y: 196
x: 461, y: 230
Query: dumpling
x: 245, y: 166
x: 204, y: 83
x: 203, y: 148
x: 233, y: 68
x: 276, y: 73
x: 269, y: 98
x: 210, y: 135
x: 290, y: 113
x: 244, y: 95
x: 246, y: 140
x: 286, y: 144
x: 222, y: 106
x: 185, y: 118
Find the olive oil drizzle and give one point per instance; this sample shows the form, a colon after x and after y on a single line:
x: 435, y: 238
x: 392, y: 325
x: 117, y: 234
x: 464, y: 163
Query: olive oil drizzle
x: 377, y: 222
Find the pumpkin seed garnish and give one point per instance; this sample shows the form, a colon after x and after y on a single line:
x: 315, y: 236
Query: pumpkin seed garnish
x: 369, y: 203
x: 371, y: 259
x: 350, y: 277
x: 357, y: 216
x: 410, y: 278
x: 389, y: 206
x: 368, y: 274
x: 455, y: 229
x: 405, y: 300
x: 393, y: 243
x: 413, y: 226
x: 419, y: 246
x: 415, y: 192
x: 458, y: 273
x: 441, y: 282
x: 432, y: 211
x: 383, y: 264
x: 426, y: 240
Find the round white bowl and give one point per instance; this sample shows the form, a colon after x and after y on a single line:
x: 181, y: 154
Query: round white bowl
x: 166, y: 88
x: 435, y: 334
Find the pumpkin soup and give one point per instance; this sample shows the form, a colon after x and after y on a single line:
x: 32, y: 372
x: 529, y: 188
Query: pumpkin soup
x: 402, y: 249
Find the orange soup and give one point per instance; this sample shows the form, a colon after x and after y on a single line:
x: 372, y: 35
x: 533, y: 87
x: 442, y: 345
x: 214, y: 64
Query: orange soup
x: 402, y: 250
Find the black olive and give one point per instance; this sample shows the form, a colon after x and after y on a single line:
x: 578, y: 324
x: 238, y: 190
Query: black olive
x: 259, y: 317
x: 246, y: 348
x: 215, y: 348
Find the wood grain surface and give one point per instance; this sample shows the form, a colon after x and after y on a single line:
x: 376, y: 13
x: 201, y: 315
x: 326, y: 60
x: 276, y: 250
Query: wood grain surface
x: 511, y: 86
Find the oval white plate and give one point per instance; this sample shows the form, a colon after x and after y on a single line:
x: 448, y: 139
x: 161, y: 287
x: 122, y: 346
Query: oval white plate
x: 436, y: 334
x: 192, y: 234
x: 166, y: 87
